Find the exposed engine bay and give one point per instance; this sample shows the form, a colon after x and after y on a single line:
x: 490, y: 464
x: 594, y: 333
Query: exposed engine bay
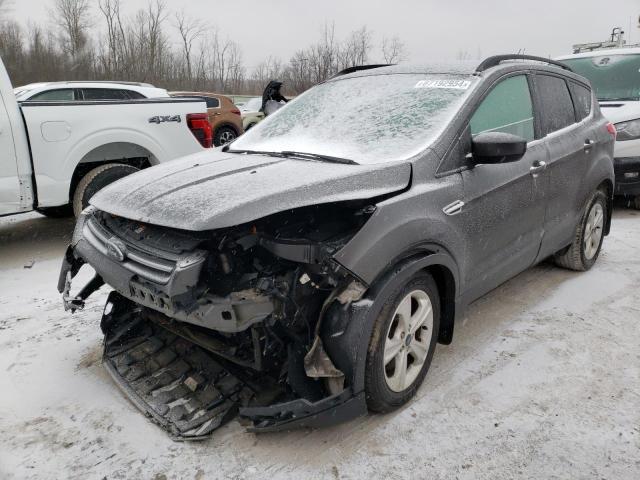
x: 202, y: 325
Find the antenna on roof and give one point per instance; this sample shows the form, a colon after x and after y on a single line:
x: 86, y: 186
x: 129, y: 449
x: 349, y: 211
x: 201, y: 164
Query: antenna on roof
x: 616, y: 40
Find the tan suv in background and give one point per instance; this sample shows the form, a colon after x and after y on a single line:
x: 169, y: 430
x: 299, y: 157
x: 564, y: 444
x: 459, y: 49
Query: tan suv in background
x: 224, y: 116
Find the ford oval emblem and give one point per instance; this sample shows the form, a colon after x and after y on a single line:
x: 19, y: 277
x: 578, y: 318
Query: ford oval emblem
x: 116, y: 249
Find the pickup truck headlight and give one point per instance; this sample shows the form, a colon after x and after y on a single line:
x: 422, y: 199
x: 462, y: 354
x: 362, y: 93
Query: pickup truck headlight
x: 628, y: 130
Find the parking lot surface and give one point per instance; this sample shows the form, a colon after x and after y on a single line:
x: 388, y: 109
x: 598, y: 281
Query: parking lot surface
x: 542, y: 380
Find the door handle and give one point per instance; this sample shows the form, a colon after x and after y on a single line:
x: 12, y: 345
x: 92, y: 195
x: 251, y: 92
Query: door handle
x: 588, y: 144
x: 538, y: 167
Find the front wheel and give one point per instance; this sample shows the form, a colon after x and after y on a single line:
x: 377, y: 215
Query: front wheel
x: 402, y: 344
x: 583, y: 252
x: 97, y: 179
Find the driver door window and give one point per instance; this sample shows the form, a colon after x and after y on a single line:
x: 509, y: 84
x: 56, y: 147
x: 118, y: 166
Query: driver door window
x: 508, y: 108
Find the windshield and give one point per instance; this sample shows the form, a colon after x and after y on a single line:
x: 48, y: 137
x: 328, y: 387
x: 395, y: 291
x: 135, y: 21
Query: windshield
x: 614, y: 77
x: 370, y: 119
x: 252, y: 105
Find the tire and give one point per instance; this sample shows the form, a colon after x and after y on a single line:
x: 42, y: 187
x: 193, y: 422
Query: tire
x: 63, y: 211
x: 583, y: 252
x: 384, y: 389
x: 224, y: 135
x: 636, y: 202
x: 251, y: 125
x: 97, y: 179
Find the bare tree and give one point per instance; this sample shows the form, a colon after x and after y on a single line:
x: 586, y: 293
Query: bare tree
x: 393, y: 50
x: 190, y: 30
x: 110, y: 59
x: 357, y: 48
x: 137, y: 48
x: 73, y: 17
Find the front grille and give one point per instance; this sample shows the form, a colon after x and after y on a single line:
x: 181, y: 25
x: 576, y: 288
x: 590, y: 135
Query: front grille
x: 157, y: 266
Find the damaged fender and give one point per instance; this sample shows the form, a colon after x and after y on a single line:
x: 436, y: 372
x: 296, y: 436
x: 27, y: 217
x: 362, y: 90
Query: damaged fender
x: 347, y: 328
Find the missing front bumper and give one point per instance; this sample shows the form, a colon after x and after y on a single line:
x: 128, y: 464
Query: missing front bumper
x: 191, y: 392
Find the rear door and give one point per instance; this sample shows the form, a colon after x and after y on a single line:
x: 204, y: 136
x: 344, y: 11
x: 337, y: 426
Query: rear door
x: 9, y: 182
x: 503, y: 212
x: 570, y: 141
x: 214, y: 108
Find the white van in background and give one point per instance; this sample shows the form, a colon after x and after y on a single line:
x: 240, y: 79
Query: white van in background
x: 613, y: 68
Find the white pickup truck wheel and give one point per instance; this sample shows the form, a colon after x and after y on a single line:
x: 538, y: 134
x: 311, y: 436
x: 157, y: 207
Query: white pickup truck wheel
x: 97, y: 179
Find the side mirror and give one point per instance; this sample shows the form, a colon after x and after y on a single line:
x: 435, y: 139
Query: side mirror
x: 497, y: 147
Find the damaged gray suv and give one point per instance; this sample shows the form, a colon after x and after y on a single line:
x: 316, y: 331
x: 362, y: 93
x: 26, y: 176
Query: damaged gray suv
x: 303, y: 274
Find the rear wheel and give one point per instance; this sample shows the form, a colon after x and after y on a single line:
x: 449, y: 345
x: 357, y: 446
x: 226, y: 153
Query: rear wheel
x: 402, y: 344
x: 224, y: 135
x: 97, y: 179
x: 583, y: 252
x: 636, y: 202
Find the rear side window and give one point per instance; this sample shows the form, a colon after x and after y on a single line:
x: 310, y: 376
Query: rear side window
x: 103, y: 94
x: 134, y: 95
x: 581, y: 100
x: 60, y: 95
x: 212, y: 102
x: 508, y: 108
x: 555, y: 100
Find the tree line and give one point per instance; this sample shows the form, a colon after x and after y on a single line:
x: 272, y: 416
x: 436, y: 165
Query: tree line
x: 170, y: 49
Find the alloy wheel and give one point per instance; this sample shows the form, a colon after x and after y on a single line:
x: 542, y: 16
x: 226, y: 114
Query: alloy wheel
x: 407, y: 341
x: 227, y: 136
x: 593, y: 231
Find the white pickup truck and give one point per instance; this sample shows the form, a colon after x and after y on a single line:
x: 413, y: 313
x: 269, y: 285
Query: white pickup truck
x: 56, y: 155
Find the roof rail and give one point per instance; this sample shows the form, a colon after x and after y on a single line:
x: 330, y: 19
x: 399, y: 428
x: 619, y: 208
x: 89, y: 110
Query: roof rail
x: 358, y: 68
x: 115, y: 82
x: 498, y: 59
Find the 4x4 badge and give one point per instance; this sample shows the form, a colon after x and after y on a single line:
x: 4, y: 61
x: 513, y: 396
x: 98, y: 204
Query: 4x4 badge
x: 165, y: 118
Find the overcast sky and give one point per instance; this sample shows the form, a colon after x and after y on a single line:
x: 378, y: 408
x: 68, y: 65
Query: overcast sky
x: 431, y: 30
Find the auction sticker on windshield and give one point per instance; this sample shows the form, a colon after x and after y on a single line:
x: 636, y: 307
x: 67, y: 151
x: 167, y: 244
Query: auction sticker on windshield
x: 456, y: 84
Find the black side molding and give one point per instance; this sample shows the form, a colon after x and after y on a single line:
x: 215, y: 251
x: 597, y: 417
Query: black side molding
x: 498, y: 59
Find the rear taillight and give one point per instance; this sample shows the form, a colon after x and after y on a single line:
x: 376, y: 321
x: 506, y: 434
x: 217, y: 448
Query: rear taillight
x: 611, y: 128
x: 201, y: 128
x: 236, y: 111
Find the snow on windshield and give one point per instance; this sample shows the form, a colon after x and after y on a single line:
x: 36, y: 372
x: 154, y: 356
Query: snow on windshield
x: 369, y: 119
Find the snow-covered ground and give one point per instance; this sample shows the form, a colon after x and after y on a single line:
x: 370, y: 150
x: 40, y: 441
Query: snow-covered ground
x: 542, y: 381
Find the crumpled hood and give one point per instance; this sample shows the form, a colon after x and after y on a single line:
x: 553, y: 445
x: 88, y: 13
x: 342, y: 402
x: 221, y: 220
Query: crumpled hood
x: 213, y: 189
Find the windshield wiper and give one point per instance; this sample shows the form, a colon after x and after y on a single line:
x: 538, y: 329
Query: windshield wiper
x: 254, y: 152
x: 300, y: 155
x: 317, y: 156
